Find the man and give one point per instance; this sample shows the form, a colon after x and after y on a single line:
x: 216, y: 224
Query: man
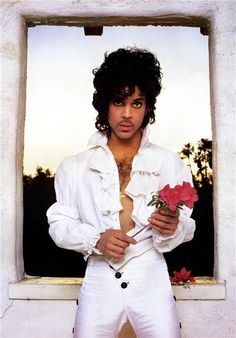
x: 102, y: 197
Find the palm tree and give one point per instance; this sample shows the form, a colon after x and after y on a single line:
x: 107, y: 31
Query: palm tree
x: 187, y: 153
x: 203, y: 160
x: 200, y: 155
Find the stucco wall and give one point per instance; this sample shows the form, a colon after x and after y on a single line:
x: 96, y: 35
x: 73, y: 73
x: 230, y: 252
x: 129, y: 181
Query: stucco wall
x: 52, y: 316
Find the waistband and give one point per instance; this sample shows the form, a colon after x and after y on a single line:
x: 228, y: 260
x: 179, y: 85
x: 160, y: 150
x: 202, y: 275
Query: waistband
x: 139, y: 257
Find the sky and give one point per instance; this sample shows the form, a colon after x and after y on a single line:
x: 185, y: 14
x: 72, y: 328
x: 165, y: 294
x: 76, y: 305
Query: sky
x: 59, y: 113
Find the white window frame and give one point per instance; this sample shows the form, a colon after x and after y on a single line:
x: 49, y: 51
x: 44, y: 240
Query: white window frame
x: 17, y: 16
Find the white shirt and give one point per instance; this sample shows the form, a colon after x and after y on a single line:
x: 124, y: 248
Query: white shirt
x: 88, y: 198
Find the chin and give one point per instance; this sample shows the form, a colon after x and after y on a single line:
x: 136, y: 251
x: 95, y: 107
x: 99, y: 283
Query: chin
x: 125, y: 135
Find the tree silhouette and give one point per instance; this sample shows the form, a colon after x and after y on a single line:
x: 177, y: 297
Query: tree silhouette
x: 187, y: 153
x: 201, y: 155
x: 203, y: 159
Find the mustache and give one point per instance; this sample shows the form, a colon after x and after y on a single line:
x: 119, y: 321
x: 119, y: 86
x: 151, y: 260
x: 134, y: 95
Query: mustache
x: 125, y: 123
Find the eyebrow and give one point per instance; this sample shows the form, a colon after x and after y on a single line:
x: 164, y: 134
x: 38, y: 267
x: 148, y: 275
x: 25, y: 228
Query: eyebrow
x: 122, y: 97
x: 142, y: 98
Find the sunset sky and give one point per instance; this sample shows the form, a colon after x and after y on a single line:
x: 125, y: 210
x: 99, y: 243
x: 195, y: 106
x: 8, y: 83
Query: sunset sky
x: 59, y: 114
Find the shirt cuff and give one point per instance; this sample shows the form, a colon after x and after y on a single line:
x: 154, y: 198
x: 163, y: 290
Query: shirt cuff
x: 92, y: 246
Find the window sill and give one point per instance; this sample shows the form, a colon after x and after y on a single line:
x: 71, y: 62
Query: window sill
x: 68, y: 289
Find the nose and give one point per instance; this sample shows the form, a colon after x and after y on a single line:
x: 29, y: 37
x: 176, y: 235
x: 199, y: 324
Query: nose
x: 127, y: 111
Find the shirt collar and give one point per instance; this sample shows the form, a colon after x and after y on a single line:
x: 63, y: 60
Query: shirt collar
x: 100, y: 140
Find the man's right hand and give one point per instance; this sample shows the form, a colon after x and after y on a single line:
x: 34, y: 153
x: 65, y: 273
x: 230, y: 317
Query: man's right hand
x: 113, y: 243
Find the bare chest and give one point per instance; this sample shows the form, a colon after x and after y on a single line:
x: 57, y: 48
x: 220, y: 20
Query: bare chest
x: 124, y: 169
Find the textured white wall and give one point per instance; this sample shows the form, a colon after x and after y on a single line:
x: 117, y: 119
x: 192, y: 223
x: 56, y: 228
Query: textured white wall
x: 35, y: 318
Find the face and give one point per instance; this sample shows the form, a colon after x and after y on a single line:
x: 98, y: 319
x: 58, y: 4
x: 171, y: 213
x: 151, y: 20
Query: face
x: 126, y: 114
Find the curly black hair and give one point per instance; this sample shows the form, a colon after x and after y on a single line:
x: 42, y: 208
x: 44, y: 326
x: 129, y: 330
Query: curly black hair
x: 126, y: 67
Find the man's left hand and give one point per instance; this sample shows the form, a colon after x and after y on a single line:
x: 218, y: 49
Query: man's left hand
x: 164, y: 221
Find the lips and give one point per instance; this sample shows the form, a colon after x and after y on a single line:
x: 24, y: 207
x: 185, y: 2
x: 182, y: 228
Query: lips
x: 125, y: 126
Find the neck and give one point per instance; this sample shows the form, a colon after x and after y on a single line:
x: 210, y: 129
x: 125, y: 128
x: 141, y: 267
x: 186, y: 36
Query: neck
x: 123, y: 149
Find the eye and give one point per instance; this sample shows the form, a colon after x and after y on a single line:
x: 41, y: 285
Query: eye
x: 117, y: 102
x: 137, y: 104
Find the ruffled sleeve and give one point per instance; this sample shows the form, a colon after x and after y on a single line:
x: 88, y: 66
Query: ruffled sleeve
x: 66, y: 228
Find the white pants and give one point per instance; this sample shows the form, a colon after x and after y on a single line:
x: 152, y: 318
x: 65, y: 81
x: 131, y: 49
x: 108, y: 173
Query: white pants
x: 142, y: 295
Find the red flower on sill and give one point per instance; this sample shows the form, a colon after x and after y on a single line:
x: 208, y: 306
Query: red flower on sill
x: 182, y: 276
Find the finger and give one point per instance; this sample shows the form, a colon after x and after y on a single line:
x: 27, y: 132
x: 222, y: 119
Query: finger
x: 163, y: 224
x: 120, y: 243
x: 164, y: 228
x: 117, y: 248
x: 116, y: 252
x: 162, y: 231
x: 130, y: 240
x: 163, y: 218
x: 166, y: 211
x: 125, y: 238
x: 161, y: 221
